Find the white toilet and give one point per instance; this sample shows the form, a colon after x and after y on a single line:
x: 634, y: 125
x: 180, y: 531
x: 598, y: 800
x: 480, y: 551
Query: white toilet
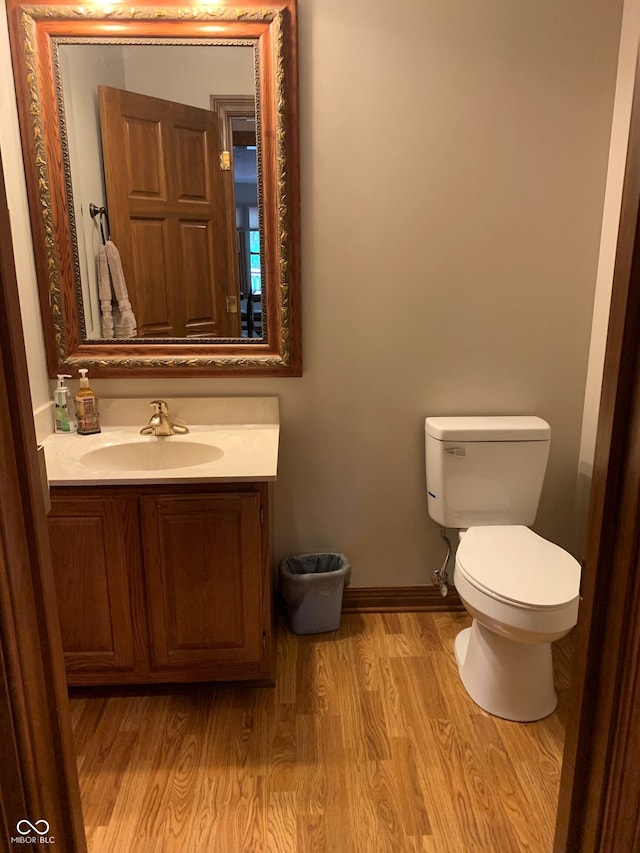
x: 484, y: 477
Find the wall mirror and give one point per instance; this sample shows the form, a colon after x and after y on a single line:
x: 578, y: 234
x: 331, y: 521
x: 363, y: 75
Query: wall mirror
x: 161, y: 156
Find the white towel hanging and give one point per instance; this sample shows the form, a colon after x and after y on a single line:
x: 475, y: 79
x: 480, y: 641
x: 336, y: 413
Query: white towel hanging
x: 117, y: 321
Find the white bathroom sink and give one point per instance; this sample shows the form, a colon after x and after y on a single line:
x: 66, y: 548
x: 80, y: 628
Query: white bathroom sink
x: 160, y: 454
x: 230, y: 439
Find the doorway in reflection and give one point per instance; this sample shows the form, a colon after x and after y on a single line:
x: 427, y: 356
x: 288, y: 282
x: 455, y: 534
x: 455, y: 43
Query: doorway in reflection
x: 245, y: 182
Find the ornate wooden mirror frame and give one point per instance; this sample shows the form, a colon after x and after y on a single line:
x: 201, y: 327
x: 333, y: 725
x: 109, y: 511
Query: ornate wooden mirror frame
x: 273, y: 27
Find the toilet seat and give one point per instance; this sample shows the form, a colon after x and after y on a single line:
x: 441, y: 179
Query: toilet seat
x: 514, y: 565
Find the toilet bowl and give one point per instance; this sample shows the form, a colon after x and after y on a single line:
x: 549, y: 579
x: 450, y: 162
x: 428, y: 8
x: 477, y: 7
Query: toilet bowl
x: 522, y: 592
x: 485, y: 476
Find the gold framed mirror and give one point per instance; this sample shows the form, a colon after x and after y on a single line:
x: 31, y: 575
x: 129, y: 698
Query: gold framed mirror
x: 152, y: 256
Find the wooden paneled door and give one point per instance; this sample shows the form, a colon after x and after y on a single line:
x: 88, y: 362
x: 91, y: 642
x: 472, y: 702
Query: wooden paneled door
x: 205, y: 584
x: 168, y: 215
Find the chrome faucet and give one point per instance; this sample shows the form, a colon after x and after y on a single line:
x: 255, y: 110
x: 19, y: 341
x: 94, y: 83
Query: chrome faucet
x: 160, y: 423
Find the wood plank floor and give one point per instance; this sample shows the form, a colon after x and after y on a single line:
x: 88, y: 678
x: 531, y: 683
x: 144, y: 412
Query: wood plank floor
x: 367, y: 743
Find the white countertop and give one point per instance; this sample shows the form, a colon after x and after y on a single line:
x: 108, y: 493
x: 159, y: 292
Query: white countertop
x: 240, y: 452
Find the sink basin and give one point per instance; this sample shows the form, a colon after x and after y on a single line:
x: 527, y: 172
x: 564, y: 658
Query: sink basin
x: 230, y: 440
x: 159, y: 454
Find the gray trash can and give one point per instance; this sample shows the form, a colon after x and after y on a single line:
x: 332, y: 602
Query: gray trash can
x: 312, y: 586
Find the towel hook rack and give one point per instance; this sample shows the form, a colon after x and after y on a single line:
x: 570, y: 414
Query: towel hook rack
x: 94, y: 211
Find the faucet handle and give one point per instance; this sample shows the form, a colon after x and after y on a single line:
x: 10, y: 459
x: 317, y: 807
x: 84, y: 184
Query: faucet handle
x: 160, y: 407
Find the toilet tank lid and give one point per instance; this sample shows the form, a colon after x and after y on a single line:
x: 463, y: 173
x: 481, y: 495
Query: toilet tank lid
x: 488, y: 428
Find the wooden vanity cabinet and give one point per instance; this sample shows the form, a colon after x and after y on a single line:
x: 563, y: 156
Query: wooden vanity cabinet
x: 162, y: 584
x: 95, y: 546
x: 203, y: 574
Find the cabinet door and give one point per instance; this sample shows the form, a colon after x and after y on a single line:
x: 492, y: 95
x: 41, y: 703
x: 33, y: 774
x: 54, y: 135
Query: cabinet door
x: 204, y: 582
x: 95, y: 550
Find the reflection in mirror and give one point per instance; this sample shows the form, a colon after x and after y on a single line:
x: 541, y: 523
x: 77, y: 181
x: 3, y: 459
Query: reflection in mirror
x: 179, y: 125
x: 237, y: 117
x: 145, y: 138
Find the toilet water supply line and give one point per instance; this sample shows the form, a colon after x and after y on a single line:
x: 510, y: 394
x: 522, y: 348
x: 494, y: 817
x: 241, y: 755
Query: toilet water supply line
x: 441, y: 576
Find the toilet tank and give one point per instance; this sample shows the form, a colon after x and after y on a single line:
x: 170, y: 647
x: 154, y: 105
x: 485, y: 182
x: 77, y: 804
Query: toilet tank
x: 485, y: 470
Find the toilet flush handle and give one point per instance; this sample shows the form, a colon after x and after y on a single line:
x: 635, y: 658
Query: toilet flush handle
x: 455, y: 451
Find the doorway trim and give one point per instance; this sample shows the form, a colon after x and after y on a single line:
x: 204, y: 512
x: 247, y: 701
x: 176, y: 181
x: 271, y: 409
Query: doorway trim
x: 38, y: 775
x: 599, y: 803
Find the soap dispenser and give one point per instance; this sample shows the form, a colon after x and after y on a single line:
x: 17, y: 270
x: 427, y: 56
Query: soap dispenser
x: 63, y: 420
x: 86, y: 406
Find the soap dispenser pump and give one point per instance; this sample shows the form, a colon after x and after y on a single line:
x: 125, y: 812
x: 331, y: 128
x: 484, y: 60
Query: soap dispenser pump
x: 86, y: 406
x: 63, y: 420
